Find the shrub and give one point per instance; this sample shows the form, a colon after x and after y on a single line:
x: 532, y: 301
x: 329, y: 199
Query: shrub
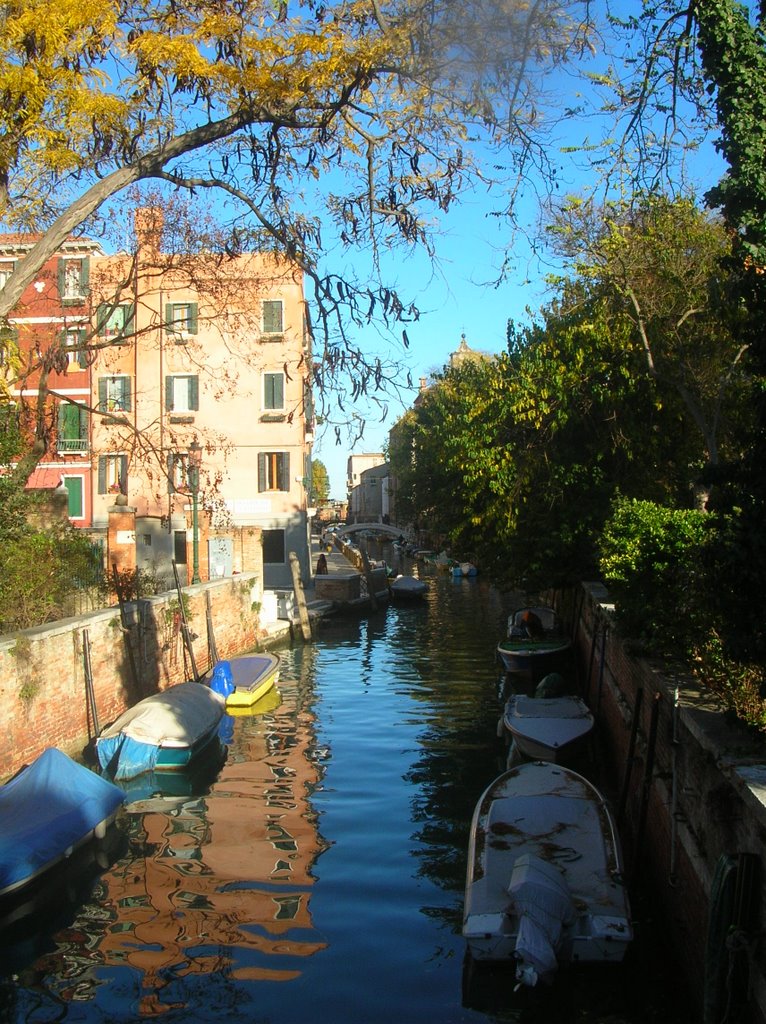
x: 651, y: 558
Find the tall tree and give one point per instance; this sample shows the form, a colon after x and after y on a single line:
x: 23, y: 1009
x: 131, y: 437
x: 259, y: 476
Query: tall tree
x: 663, y: 262
x: 378, y: 101
x: 320, y: 482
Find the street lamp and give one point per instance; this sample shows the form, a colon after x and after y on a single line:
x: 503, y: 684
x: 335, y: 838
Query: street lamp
x: 195, y: 461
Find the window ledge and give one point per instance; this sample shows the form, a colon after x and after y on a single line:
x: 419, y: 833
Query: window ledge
x: 273, y: 417
x: 177, y: 418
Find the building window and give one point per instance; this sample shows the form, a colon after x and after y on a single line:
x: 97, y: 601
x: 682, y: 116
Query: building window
x: 6, y: 269
x: 272, y: 316
x: 114, y: 322
x: 182, y: 393
x: 274, y: 547
x: 114, y: 394
x: 112, y: 474
x: 178, y: 468
x: 73, y: 280
x: 179, y: 546
x: 274, y: 392
x: 181, y: 317
x: 273, y: 471
x: 72, y: 434
x: 75, y: 490
x: 76, y: 348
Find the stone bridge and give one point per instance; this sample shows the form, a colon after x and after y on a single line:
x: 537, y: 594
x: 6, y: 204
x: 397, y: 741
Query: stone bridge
x: 392, y: 531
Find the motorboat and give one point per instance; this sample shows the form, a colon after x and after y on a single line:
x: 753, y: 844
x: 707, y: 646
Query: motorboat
x: 243, y: 680
x: 544, y: 884
x: 536, y: 642
x: 165, y: 731
x: 547, y: 728
x: 407, y: 588
x: 48, y: 811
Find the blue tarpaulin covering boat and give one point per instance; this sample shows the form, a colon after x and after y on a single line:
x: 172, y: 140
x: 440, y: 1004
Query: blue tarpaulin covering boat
x: 47, y: 811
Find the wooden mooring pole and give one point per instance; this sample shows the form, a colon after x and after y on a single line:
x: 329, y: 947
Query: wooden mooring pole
x: 300, y: 596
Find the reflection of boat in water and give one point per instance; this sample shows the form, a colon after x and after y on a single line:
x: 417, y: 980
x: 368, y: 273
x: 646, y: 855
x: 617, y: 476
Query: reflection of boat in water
x: 268, y: 702
x: 165, y: 731
x: 544, y: 885
x: 48, y: 811
x: 243, y: 680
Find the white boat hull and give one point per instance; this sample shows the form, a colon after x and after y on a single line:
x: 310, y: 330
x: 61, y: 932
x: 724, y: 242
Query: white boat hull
x: 546, y: 823
x: 547, y: 728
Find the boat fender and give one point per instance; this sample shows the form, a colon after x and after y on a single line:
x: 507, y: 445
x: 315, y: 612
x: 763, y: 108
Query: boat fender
x: 222, y: 679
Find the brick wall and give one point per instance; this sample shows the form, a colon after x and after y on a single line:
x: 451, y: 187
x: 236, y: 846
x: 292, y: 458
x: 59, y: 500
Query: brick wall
x: 42, y: 670
x: 687, y: 794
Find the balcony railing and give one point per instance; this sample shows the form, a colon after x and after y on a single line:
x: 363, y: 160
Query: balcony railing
x: 72, y: 446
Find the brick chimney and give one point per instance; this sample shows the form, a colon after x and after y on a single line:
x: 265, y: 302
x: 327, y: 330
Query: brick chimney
x: 149, y: 222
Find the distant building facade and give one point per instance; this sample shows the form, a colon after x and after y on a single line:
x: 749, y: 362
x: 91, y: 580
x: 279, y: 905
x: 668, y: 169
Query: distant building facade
x: 365, y: 487
x: 178, y: 354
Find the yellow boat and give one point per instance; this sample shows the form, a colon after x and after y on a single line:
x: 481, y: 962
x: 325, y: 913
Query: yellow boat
x: 245, y: 679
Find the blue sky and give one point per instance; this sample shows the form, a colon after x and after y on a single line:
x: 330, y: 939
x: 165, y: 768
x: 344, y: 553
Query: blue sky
x: 457, y: 295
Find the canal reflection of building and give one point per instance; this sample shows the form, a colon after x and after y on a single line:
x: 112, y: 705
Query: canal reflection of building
x: 225, y: 880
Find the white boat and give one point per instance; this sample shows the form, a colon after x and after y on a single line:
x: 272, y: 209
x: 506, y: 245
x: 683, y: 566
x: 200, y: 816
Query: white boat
x: 544, y: 882
x: 547, y: 728
x: 407, y: 588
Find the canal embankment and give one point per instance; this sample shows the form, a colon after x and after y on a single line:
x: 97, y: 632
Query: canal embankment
x: 690, y: 786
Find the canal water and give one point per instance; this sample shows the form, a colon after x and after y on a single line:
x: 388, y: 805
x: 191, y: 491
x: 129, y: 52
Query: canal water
x: 317, y: 874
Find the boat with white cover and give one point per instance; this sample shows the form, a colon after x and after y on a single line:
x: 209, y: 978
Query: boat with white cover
x: 407, y: 588
x: 544, y: 881
x: 165, y: 731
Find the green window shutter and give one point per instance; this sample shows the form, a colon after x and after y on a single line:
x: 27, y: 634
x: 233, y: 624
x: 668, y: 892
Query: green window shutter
x: 73, y: 486
x: 102, y: 474
x: 274, y: 391
x: 84, y: 275
x: 82, y: 426
x: 169, y: 316
x: 130, y: 319
x: 126, y: 394
x: 61, y: 276
x: 102, y: 394
x: 262, y: 482
x: 283, y: 471
x: 169, y: 394
x: 193, y: 317
x: 69, y: 422
x: 272, y: 316
x: 194, y: 393
x: 123, y: 473
x: 102, y: 317
x: 82, y: 354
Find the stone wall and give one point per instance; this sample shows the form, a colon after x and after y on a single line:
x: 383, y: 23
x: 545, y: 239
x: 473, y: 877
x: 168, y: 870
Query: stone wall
x: 42, y: 671
x: 693, y: 791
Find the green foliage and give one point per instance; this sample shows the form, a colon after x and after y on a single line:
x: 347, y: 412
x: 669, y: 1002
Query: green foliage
x: 320, y: 483
x: 36, y: 575
x: 651, y: 561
